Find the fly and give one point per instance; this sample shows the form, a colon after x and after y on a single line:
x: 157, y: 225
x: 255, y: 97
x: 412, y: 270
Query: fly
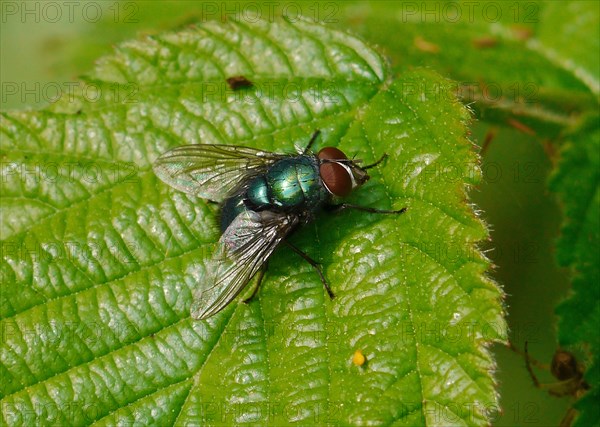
x: 264, y: 196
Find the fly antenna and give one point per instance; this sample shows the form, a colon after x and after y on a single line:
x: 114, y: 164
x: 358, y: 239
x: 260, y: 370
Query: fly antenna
x: 313, y: 138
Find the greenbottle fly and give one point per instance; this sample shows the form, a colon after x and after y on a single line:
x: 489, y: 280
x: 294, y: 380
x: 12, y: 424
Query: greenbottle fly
x: 264, y: 197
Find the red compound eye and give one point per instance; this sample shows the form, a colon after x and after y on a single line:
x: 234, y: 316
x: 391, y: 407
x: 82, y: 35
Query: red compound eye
x: 331, y: 153
x: 336, y: 178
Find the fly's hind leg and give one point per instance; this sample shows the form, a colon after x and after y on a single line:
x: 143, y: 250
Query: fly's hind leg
x: 314, y: 264
x: 261, y: 275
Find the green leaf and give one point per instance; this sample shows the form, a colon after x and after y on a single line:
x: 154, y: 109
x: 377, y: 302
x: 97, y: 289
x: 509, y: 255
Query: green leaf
x: 100, y: 258
x: 510, y: 61
x: 577, y: 182
x: 569, y: 38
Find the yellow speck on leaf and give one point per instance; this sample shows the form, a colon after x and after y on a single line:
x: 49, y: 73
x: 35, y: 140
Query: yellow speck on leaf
x: 359, y: 358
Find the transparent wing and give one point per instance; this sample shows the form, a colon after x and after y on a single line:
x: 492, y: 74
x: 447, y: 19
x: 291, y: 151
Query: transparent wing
x: 211, y: 171
x: 242, y: 250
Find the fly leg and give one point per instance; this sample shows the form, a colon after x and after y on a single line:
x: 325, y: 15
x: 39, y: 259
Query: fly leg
x: 314, y: 264
x: 313, y: 138
x: 261, y: 275
x: 342, y: 206
x: 372, y: 165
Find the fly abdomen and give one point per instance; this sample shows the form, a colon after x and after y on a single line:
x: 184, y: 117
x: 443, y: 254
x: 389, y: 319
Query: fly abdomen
x: 230, y: 209
x: 258, y: 193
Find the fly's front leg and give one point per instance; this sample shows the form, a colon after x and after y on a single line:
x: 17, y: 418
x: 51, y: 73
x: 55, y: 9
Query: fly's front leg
x: 314, y: 264
x: 372, y: 165
x: 342, y: 206
x: 313, y: 138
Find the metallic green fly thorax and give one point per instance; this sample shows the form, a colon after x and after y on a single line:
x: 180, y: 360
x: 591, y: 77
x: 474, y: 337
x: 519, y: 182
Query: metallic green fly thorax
x: 295, y: 183
x: 290, y: 185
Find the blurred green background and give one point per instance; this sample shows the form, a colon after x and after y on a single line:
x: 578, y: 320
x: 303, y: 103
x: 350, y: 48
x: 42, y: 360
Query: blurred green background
x: 44, y: 48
